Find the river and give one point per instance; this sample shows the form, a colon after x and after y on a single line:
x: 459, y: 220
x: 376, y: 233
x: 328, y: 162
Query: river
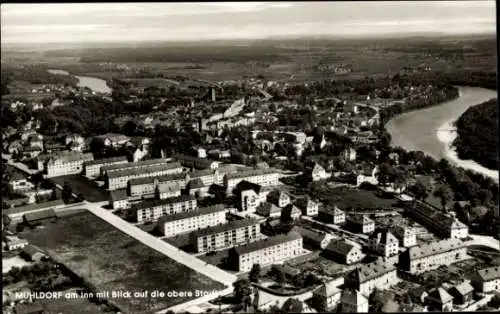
x: 431, y: 130
x: 95, y: 84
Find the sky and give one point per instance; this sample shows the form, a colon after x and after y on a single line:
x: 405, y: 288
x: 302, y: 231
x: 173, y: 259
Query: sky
x: 129, y: 22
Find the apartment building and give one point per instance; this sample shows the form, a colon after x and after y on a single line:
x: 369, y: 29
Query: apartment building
x: 92, y: 168
x: 487, y: 279
x: 148, y: 186
x: 443, y: 224
x: 344, y: 251
x: 172, y: 225
x: 430, y: 256
x: 168, y: 189
x: 333, y: 215
x: 376, y: 275
x: 133, y: 165
x: 66, y: 163
x: 197, y: 163
x: 119, y: 179
x: 207, y: 176
x: 227, y: 235
x: 407, y: 236
x: 307, y: 206
x: 266, y: 252
x: 263, y: 177
x: 153, y: 209
x: 119, y: 199
x: 384, y: 243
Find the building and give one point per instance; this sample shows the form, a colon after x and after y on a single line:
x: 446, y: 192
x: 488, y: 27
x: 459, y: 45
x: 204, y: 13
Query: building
x: 462, y: 293
x: 332, y: 215
x: 354, y: 301
x: 486, y: 279
x: 148, y: 186
x: 407, y: 236
x: 151, y: 210
x: 14, y: 243
x: 119, y: 179
x: 18, y: 181
x: 263, y: 177
x: 290, y: 211
x: 133, y: 165
x: 440, y: 300
x: 443, y: 224
x: 196, y: 187
x: 361, y: 223
x: 36, y: 218
x: 227, y: 235
x: 32, y: 253
x: 167, y: 189
x: 118, y: 199
x: 344, y: 252
x: 92, y: 168
x: 114, y: 140
x: 249, y: 195
x: 197, y: 163
x: 268, y: 210
x: 349, y: 154
x: 66, y: 163
x: 316, y: 173
x: 368, y: 277
x: 367, y: 174
x: 315, y: 239
x: 307, y: 206
x: 384, y: 243
x: 430, y: 256
x: 330, y: 293
x: 207, y: 176
x: 172, y: 225
x: 279, y: 198
x: 266, y: 252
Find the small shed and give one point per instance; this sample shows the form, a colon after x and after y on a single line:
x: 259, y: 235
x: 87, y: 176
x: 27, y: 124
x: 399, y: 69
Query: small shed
x: 32, y: 253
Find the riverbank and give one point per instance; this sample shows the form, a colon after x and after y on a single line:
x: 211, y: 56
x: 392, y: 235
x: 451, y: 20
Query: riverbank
x: 430, y: 130
x: 95, y: 84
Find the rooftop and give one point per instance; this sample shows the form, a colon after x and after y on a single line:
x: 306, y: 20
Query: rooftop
x: 370, y: 271
x: 490, y: 273
x: 434, y: 248
x: 268, y: 242
x: 170, y: 200
x: 105, y: 161
x: 143, y: 170
x: 118, y: 195
x: 143, y: 163
x: 199, y: 212
x: 236, y: 224
x: 70, y: 156
x: 440, y: 295
x: 160, y: 179
x: 250, y: 173
x: 340, y: 246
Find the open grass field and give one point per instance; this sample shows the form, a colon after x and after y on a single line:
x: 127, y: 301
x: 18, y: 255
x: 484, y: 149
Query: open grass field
x: 111, y: 260
x: 79, y: 184
x: 350, y: 198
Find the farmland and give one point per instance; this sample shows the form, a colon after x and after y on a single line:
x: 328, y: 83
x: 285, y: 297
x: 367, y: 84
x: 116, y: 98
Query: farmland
x: 111, y: 260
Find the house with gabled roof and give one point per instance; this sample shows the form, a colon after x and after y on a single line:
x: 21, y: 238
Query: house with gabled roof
x: 384, y: 243
x: 330, y: 292
x: 439, y: 300
x: 354, y: 301
x: 487, y: 279
x: 462, y: 293
x: 331, y: 215
x: 361, y: 223
x: 307, y: 206
x: 279, y: 198
x: 344, y: 251
x: 375, y: 275
x: 315, y: 239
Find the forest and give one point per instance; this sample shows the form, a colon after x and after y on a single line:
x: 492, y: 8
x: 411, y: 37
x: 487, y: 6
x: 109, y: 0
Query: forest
x: 477, y: 130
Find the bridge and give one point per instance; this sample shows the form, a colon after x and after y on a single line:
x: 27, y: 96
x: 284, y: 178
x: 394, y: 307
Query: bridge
x: 486, y: 241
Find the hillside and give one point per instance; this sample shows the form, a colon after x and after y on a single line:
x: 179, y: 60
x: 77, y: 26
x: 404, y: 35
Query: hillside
x: 477, y: 138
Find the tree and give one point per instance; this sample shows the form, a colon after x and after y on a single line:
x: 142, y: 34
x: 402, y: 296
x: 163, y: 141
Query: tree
x: 376, y: 300
x: 54, y: 193
x: 242, y: 291
x: 400, y: 180
x: 419, y: 190
x: 6, y: 221
x: 484, y: 196
x: 67, y: 192
x: 319, y: 302
x: 292, y: 306
x: 445, y: 194
x: 384, y: 173
x: 254, y: 273
x: 277, y: 273
x: 286, y: 214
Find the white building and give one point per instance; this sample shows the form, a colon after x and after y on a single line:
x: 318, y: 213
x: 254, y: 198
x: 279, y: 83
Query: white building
x: 330, y: 293
x: 154, y: 209
x: 66, y: 163
x: 418, y: 259
x: 332, y: 215
x: 368, y: 277
x: 263, y: 177
x: 266, y: 252
x: 118, y: 199
x: 92, y: 168
x: 407, y: 236
x: 279, y: 198
x: 172, y: 225
x: 487, y: 279
x: 307, y: 206
x: 14, y: 243
x: 227, y: 235
x: 119, y: 179
x: 384, y: 243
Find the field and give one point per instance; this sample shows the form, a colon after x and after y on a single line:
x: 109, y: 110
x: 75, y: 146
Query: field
x: 346, y: 198
x: 111, y: 260
x: 91, y: 192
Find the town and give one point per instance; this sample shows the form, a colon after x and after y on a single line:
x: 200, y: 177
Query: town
x: 238, y: 195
